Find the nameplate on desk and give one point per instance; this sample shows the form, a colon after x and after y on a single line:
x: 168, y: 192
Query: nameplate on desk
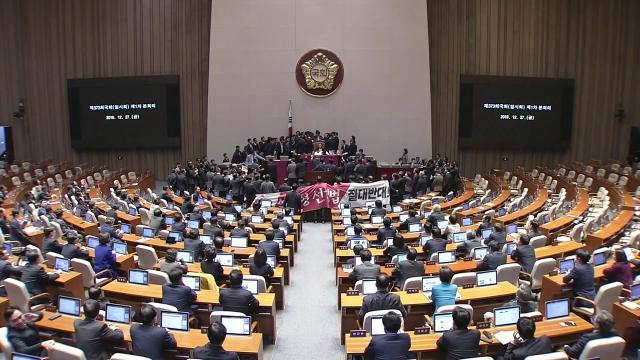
x: 357, y: 333
x: 389, y: 265
x: 483, y: 325
x: 413, y: 291
x: 343, y: 248
x: 246, y: 265
x: 536, y: 318
x: 468, y: 258
x: 121, y: 279
x: 381, y: 247
x: 422, y: 331
x: 431, y: 262
x: 467, y: 286
x: 553, y: 273
x: 353, y: 292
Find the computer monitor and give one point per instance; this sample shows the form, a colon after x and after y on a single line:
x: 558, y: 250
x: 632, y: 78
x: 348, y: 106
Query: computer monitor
x: 69, y: 305
x: 480, y: 252
x: 239, y: 208
x: 566, y: 265
x: 280, y: 242
x: 206, y: 215
x: 132, y: 211
x: 507, y: 315
x: 239, y: 242
x: 193, y: 224
x: 192, y: 281
x: 346, y: 220
x: 446, y: 257
x: 265, y: 203
x: 88, y: 217
x: 92, y: 242
x: 634, y: 291
x: 118, y: 313
x: 557, y: 308
x: 442, y: 224
x: 396, y: 209
x: 376, y: 219
x: 459, y: 237
x: 125, y: 228
x: 236, y: 325
x: 120, y: 248
x: 200, y: 201
x: 467, y: 221
x: 62, y: 264
x: 206, y: 239
x: 174, y: 237
x: 345, y: 212
x: 147, y: 233
x: 403, y: 217
x: 486, y: 233
x: 138, y: 277
x: 514, y: 207
x: 600, y: 258
x: 377, y: 327
x: 442, y: 322
x: 289, y: 219
x: 370, y: 204
x: 628, y: 253
x: 424, y: 238
x: 251, y: 285
x: 428, y: 282
x: 369, y: 286
x: 486, y: 278
x: 257, y: 219
x: 174, y: 320
x: 349, y: 230
x: 225, y: 259
x: 229, y: 217
x: 502, y: 212
x: 18, y: 356
x: 512, y: 229
x: 228, y: 197
x: 170, y: 206
x: 168, y: 221
x: 272, y: 261
x: 435, y: 201
x: 465, y: 206
x: 185, y: 255
x: 510, y: 247
x: 363, y: 242
x: 415, y: 227
x: 401, y: 257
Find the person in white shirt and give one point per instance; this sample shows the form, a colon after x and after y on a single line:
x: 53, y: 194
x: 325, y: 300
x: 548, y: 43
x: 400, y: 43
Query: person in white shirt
x: 453, y: 227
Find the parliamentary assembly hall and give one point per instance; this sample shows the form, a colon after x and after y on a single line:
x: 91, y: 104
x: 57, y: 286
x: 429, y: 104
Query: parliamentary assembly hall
x: 319, y: 179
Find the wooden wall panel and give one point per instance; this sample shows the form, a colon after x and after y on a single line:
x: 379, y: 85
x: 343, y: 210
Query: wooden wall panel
x: 44, y: 43
x: 595, y: 42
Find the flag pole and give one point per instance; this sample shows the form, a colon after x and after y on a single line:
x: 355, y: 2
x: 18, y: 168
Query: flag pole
x: 290, y: 120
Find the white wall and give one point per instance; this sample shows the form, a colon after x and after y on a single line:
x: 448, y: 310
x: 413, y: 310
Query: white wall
x: 384, y: 99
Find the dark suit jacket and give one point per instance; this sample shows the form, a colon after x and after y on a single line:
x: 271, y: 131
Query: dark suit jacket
x: 95, y: 338
x: 6, y: 271
x: 525, y: 255
x: 499, y: 237
x: 576, y: 349
x: 406, y: 269
x: 213, y: 352
x: 71, y: 251
x: 51, y: 245
x: 36, y: 279
x: 17, y: 234
x: 582, y: 276
x: 435, y: 217
x: 180, y: 296
x: 195, y: 245
x: 25, y: 341
x: 215, y: 231
x: 492, y: 260
x: 459, y: 344
x: 293, y: 200
x: 539, y: 346
x: 238, y: 299
x: 270, y: 247
x: 434, y: 245
x: 379, y: 211
x: 214, y: 268
x: 265, y: 271
x: 381, y: 300
x: 366, y: 270
x: 388, y: 346
x: 151, y: 341
x: 384, y: 233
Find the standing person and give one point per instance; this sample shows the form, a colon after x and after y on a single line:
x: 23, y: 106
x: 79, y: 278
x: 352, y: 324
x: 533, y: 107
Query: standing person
x: 524, y: 254
x: 105, y: 258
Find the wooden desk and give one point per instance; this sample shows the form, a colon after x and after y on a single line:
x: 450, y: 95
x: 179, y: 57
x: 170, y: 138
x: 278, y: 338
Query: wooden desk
x: 627, y: 324
x: 552, y: 227
x: 425, y: 347
x: 134, y: 295
x: 604, y: 235
x: 246, y: 345
x: 69, y: 283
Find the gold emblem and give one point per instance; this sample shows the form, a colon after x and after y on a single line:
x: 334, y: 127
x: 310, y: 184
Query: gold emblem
x: 319, y: 72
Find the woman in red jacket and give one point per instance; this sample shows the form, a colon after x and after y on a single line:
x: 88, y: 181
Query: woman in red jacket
x: 620, y: 270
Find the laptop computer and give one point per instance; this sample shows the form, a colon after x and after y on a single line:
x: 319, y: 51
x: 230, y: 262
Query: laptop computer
x: 230, y: 217
x: 200, y: 201
x: 446, y: 257
x: 88, y: 217
x: 557, y: 308
x: 69, y: 305
x: 369, y: 286
x: 193, y: 224
x: 92, y: 242
x: 192, y: 281
x: 118, y: 313
x: 424, y: 238
x: 239, y: 242
x: 502, y: 212
x: 19, y: 356
x: 486, y: 233
x: 510, y: 247
x: 442, y: 224
x: 566, y: 265
x: 415, y: 227
x: 459, y: 237
x: 257, y: 219
x: 132, y: 211
x: 77, y: 212
x: 634, y: 291
x: 174, y: 320
x: 147, y: 233
x: 206, y: 239
x: 225, y: 259
x: 442, y: 322
x: 265, y: 203
x: 289, y: 219
x: 376, y: 219
x: 170, y: 206
x: 377, y: 327
x: 169, y: 220
x: 251, y: 285
x: 120, y: 248
x: 628, y: 253
x: 272, y: 261
x: 467, y: 221
x: 280, y: 242
x: 449, y: 197
x: 396, y: 209
x: 370, y: 204
x: 138, y: 277
x: 206, y: 215
x: 345, y: 212
x: 363, y: 242
x: 512, y: 229
x: 600, y: 258
x: 236, y: 325
x: 125, y: 228
x: 350, y: 231
x: 185, y: 255
x: 346, y: 220
x: 465, y: 206
x: 507, y: 315
x: 486, y: 278
x: 401, y: 257
x: 480, y: 252
x: 428, y: 282
x: 403, y: 217
x: 62, y: 264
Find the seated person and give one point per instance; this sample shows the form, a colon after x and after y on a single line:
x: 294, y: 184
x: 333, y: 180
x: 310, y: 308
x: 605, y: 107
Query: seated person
x: 50, y: 243
x: 23, y: 334
x: 259, y: 266
x: 237, y: 298
x: 104, y: 258
x: 524, y: 254
x: 408, y: 268
x: 412, y: 219
x: 35, y: 276
x: 444, y: 293
x: 498, y: 235
x: 95, y: 293
x: 378, y: 209
x: 581, y: 277
x: 398, y: 247
x: 213, y: 228
x: 452, y: 228
x: 366, y: 270
x: 382, y: 299
x: 268, y: 245
x: 620, y: 270
x: 209, y: 265
x: 603, y: 328
x: 72, y: 249
x: 356, y: 252
x: 171, y: 262
x: 435, y: 244
x: 435, y: 216
x: 216, y: 333
x: 534, y: 229
x: 277, y: 226
x: 149, y: 340
x: 95, y: 338
x: 525, y: 344
x: 176, y: 293
x: 178, y: 223
x: 473, y: 241
x: 357, y: 229
x: 7, y: 270
x: 460, y: 342
x: 525, y: 298
x: 386, y: 231
x: 107, y: 227
x: 390, y: 345
x: 486, y: 223
x: 192, y: 243
x: 240, y: 231
x: 492, y: 260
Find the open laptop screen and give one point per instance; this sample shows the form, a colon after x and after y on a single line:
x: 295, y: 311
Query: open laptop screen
x: 557, y: 308
x: 192, y: 281
x: 508, y: 315
x: 69, y: 306
x: 428, y: 282
x: 237, y: 325
x: 62, y: 264
x: 185, y: 255
x: 377, y: 327
x: 467, y: 221
x: 139, y: 277
x: 445, y: 257
x: 125, y: 228
x: 442, y: 322
x: 251, y: 285
x: 486, y: 278
x: 635, y: 292
x: 566, y: 265
x: 174, y: 320
x: 118, y: 313
x: 512, y: 229
x: 369, y: 286
x: 240, y: 242
x: 92, y: 242
x: 480, y: 252
x: 459, y: 237
x: 120, y: 248
x: 225, y: 259
x: 147, y: 233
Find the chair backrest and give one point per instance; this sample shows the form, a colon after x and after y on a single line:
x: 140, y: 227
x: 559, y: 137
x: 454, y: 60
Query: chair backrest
x: 559, y: 355
x: 85, y: 268
x: 147, y: 257
x: 97, y: 176
x: 508, y: 272
x: 534, y: 173
x: 15, y: 181
x: 588, y: 182
x: 571, y: 174
x: 627, y: 170
x: 14, y: 168
x: 588, y: 169
x: 600, y: 173
x: 580, y: 178
x: 464, y: 278
x: 51, y: 169
x: 58, y: 178
x: 262, y: 284
x: 613, y: 178
x: 106, y: 173
x: 144, y: 216
x: 562, y: 171
x: 132, y: 176
x: 68, y: 174
x: 607, y: 295
x: 31, y: 247
x: 608, y: 348
x: 366, y: 323
x: 17, y: 294
x: 412, y: 283
x: 90, y: 181
x: 27, y: 176
x: 506, y: 175
x: 622, y: 182
x: 51, y: 183
x: 5, y: 344
x: 158, y: 277
x: 541, y: 268
x: 538, y: 241
x: 61, y: 351
x: 216, y: 315
x: 102, y: 219
x: 449, y: 308
x: 57, y: 229
x: 122, y: 356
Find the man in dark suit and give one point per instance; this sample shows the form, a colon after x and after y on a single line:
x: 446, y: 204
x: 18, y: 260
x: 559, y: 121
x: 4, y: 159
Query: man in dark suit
x: 240, y: 231
x: 471, y: 242
x: 524, y: 254
x: 492, y: 260
x: 366, y: 270
x: 408, y: 268
x: 270, y: 247
x: 435, y: 216
x: 237, y: 298
x: 94, y: 337
x: 581, y: 277
x: 176, y: 293
x: 435, y: 244
x: 73, y: 250
x: 16, y: 229
x: 23, y: 334
x: 149, y: 340
x: 604, y: 328
x: 389, y: 345
x: 7, y: 270
x: 34, y: 276
x: 50, y: 243
x: 412, y: 219
x: 498, y: 235
x: 192, y: 243
x: 525, y: 344
x: 379, y: 210
x: 216, y: 332
x: 213, y: 228
x: 293, y: 200
x: 382, y: 299
x: 386, y: 231
x: 460, y: 342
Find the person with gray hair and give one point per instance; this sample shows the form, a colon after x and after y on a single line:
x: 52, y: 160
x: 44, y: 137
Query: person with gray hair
x: 436, y: 215
x: 603, y: 324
